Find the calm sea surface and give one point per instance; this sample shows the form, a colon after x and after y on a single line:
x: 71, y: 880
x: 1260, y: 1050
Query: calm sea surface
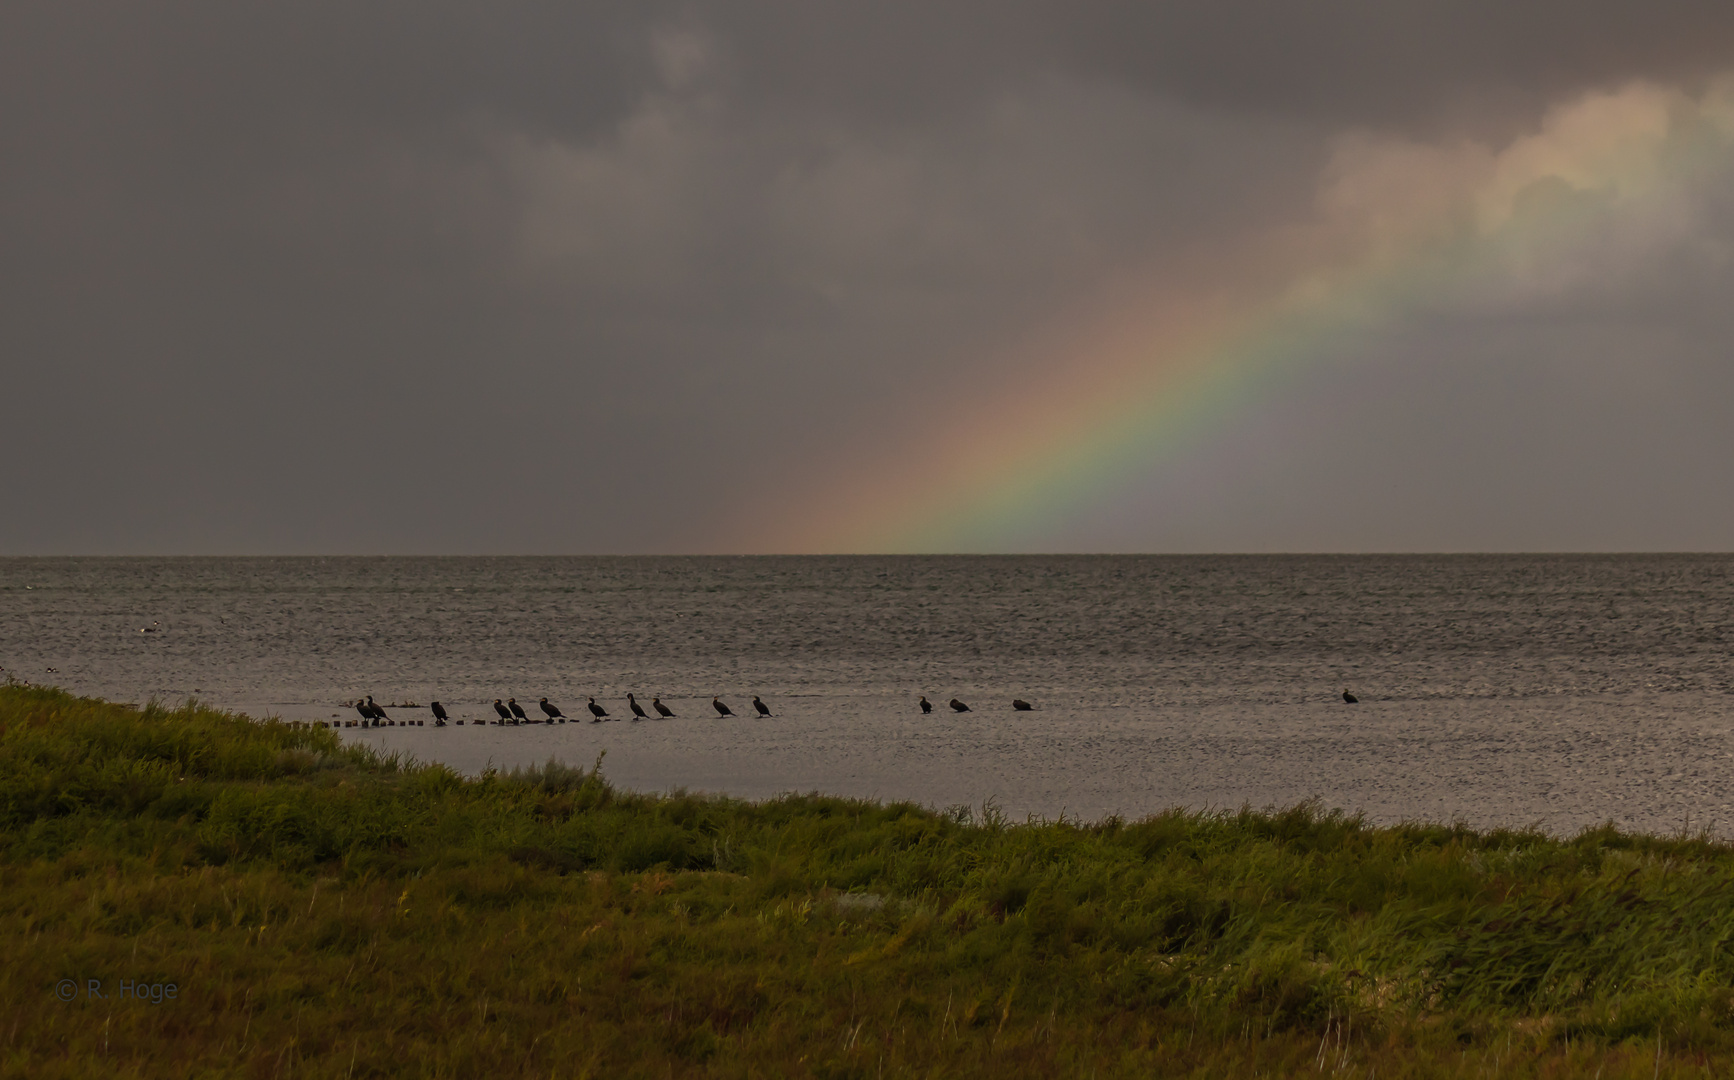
x: 1553, y: 690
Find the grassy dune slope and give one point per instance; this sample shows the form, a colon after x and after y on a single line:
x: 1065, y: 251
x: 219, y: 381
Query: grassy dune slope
x: 322, y: 911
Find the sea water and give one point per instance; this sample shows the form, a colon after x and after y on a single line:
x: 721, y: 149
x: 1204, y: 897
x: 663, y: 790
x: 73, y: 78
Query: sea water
x: 1555, y: 691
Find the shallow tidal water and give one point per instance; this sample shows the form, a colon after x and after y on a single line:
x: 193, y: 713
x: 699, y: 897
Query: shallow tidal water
x: 1559, y: 691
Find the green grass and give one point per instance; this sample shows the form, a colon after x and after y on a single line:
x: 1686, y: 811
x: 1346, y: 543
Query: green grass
x: 327, y: 912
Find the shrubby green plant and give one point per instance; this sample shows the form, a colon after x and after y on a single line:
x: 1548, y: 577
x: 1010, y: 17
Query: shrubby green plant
x: 328, y: 910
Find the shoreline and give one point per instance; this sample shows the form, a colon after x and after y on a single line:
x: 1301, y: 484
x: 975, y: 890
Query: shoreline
x: 1562, y: 764
x: 925, y: 760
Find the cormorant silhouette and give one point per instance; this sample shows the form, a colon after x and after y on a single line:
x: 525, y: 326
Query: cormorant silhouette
x: 366, y: 713
x: 926, y: 706
x: 597, y: 711
x: 959, y: 706
x: 1021, y: 705
x: 637, y: 709
x: 553, y: 712
x: 656, y: 703
x: 764, y: 710
x: 378, y: 713
x: 439, y: 712
x: 505, y: 713
x: 1350, y: 698
x: 517, y: 710
x: 721, y: 709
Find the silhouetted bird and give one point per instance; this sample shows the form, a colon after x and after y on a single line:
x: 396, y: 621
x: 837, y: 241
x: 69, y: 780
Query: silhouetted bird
x: 597, y: 711
x: 1350, y: 698
x: 926, y: 706
x: 439, y: 714
x: 637, y: 709
x: 505, y: 713
x: 378, y: 713
x: 1021, y: 705
x: 656, y: 703
x: 366, y: 713
x: 959, y: 706
x: 553, y: 712
x: 721, y: 709
x: 517, y: 709
x: 764, y: 710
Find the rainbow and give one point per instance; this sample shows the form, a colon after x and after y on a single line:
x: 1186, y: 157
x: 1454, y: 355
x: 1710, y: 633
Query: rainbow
x: 1154, y: 378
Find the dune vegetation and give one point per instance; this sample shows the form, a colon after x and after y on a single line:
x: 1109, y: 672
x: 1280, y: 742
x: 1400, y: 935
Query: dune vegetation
x: 322, y: 911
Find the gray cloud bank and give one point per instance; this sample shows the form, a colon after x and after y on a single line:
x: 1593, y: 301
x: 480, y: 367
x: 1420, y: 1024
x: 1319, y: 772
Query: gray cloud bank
x: 574, y: 278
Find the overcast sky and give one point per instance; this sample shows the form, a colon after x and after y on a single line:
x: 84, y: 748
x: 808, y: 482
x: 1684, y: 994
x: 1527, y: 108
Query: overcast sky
x: 340, y: 277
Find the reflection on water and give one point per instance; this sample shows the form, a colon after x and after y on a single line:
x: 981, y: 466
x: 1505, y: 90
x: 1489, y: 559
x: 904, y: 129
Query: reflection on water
x: 1503, y: 689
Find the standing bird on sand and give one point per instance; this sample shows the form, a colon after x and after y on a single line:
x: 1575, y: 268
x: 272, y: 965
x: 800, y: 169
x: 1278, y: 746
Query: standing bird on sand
x: 505, y: 713
x: 439, y: 712
x: 366, y: 713
x: 637, y: 709
x: 1350, y: 698
x: 553, y: 712
x: 958, y: 706
x: 517, y: 710
x: 378, y: 713
x: 597, y: 711
x: 662, y: 710
x: 926, y: 706
x: 1021, y: 705
x: 721, y: 709
x: 764, y: 710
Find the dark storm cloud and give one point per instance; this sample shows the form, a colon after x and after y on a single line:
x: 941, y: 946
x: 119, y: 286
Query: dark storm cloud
x: 197, y: 69
x: 552, y: 277
x: 1339, y: 61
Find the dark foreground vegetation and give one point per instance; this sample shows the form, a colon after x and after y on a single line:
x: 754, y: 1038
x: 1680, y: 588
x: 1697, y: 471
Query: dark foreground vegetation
x: 324, y: 912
